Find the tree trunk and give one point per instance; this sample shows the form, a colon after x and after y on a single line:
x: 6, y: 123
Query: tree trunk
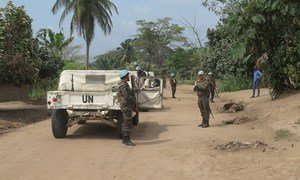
x: 87, y: 55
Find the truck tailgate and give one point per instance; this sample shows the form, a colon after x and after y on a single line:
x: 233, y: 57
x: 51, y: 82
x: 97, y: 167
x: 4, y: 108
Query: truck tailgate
x: 81, y: 100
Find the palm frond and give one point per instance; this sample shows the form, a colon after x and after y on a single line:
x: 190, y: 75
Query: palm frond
x: 67, y: 42
x: 66, y: 11
x: 59, y: 4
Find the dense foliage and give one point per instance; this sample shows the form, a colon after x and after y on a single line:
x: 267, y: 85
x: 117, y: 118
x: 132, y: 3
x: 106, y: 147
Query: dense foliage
x: 51, y: 52
x: 257, y: 32
x: 153, y: 44
x: 25, y: 59
x: 19, y: 61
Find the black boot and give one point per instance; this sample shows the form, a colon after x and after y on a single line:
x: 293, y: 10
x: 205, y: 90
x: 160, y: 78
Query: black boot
x: 126, y: 141
x: 200, y: 125
x: 206, y: 124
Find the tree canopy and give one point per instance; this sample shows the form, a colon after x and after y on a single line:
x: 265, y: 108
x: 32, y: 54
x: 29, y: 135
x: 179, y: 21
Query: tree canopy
x: 257, y: 32
x: 18, y: 59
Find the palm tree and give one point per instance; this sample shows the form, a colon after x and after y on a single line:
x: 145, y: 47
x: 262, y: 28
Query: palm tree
x: 53, y: 40
x: 85, y: 14
x: 127, y: 52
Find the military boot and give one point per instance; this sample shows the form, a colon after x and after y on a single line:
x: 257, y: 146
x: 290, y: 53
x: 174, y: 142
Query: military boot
x: 200, y: 125
x: 126, y: 141
x: 206, y: 124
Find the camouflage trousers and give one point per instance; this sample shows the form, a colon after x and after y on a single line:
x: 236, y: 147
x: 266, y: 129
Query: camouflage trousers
x: 203, y: 104
x: 212, y: 90
x: 127, y: 120
x: 173, y: 91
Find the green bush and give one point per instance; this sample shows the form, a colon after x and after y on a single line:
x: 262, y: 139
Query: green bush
x: 72, y: 65
x: 188, y: 82
x: 38, y: 95
x: 232, y: 83
x: 39, y: 92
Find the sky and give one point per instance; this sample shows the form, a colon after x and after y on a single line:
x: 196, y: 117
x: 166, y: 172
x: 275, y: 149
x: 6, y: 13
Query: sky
x: 124, y: 24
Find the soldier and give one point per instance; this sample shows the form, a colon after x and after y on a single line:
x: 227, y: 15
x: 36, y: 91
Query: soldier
x: 173, y: 84
x: 140, y: 72
x: 212, y: 86
x: 127, y: 100
x: 202, y: 89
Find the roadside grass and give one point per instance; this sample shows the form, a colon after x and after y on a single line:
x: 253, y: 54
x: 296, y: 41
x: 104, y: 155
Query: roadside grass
x: 187, y: 82
x: 38, y: 95
x: 283, y: 133
x: 232, y: 83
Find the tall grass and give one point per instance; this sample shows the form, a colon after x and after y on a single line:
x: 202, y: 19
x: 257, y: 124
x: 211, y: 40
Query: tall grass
x: 39, y: 93
x: 232, y: 83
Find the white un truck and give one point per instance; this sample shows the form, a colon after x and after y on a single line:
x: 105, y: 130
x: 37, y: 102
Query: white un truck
x: 91, y: 95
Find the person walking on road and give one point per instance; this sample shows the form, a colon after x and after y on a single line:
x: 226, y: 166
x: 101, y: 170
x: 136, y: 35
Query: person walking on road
x: 127, y: 101
x: 212, y: 86
x: 256, y: 81
x: 202, y: 89
x: 173, y: 84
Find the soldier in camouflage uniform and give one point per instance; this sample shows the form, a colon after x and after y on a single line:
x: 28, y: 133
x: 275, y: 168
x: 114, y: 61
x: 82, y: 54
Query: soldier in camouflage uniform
x: 126, y: 99
x: 140, y: 72
x: 173, y: 84
x: 202, y: 89
x: 212, y: 86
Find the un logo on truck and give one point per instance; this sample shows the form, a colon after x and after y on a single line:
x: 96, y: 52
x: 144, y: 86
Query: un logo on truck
x: 87, y: 99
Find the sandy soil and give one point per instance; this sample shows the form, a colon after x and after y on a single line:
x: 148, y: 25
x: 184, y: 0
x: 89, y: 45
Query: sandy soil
x: 169, y: 144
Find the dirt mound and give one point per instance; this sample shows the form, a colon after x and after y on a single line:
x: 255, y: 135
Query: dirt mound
x: 17, y: 114
x: 238, y: 120
x: 233, y: 107
x: 237, y: 146
x: 6, y: 125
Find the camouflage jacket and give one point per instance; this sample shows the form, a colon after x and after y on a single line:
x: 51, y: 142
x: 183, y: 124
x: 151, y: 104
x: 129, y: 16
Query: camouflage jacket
x: 125, y: 94
x: 202, y: 88
x: 173, y: 82
x: 141, y: 74
x: 212, y: 81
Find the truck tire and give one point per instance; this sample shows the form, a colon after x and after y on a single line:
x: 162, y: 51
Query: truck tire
x: 59, y: 120
x: 119, y: 125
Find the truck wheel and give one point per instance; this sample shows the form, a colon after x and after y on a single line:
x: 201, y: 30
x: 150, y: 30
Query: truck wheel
x: 135, y: 120
x: 120, y: 124
x: 59, y: 121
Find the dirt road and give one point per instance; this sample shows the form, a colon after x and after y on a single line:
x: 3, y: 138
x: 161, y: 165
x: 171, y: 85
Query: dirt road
x: 169, y: 146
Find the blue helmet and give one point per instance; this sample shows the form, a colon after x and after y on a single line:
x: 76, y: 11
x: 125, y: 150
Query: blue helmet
x: 200, y: 73
x: 123, y: 73
x: 172, y: 74
x: 138, y: 68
